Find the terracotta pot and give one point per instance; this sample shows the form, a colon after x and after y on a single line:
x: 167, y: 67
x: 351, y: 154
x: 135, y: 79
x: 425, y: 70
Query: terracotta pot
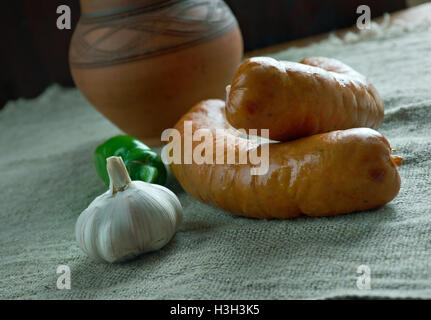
x: 144, y: 63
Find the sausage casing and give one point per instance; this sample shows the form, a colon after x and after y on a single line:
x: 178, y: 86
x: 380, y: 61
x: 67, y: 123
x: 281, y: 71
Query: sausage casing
x: 321, y: 175
x: 301, y: 99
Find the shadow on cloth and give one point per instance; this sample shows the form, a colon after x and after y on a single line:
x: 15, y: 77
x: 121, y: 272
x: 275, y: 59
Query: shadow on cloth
x: 245, y: 246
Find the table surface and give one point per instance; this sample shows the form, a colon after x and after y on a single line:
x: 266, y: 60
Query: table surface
x: 411, y: 15
x: 48, y: 179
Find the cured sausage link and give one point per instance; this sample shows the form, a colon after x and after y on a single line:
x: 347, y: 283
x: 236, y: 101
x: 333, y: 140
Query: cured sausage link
x: 301, y: 99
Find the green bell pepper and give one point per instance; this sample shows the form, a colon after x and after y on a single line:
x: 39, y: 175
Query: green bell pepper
x: 141, y: 162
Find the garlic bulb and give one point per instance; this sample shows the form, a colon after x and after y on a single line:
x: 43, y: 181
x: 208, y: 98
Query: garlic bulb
x: 131, y: 218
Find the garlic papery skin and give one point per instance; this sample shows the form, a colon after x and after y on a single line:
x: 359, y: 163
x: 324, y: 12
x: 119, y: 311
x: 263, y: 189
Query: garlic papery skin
x: 131, y: 218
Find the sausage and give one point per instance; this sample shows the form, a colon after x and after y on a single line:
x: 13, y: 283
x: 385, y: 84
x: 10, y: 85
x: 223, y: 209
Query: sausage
x: 321, y: 175
x: 301, y: 99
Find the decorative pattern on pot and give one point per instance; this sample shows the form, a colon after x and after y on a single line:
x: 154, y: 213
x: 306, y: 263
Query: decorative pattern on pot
x: 147, y: 30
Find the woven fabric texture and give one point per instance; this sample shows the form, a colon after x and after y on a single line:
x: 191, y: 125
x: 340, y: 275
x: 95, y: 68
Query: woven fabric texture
x: 47, y: 178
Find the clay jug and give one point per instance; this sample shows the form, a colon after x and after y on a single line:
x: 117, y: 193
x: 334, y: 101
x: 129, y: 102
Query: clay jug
x: 144, y: 63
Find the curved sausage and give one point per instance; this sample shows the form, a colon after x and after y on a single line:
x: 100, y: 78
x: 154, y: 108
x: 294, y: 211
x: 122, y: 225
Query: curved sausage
x: 320, y: 175
x: 301, y: 99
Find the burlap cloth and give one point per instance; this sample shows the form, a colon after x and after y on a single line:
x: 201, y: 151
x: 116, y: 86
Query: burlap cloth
x: 47, y: 178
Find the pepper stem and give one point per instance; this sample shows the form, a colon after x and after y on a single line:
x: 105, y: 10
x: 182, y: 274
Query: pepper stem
x: 118, y: 176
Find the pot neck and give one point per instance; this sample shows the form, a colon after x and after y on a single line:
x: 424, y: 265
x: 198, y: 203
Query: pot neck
x: 97, y: 8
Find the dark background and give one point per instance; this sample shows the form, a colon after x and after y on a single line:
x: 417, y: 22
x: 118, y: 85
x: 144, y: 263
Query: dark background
x: 34, y: 53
